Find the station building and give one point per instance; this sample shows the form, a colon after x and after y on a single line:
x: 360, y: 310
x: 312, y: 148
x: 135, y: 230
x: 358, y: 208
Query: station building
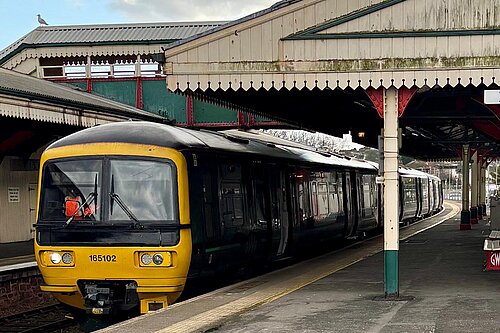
x: 45, y: 80
x: 305, y: 62
x: 123, y: 62
x: 34, y: 113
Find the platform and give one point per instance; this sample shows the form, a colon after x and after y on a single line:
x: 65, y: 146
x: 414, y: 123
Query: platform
x: 443, y: 287
x: 16, y: 255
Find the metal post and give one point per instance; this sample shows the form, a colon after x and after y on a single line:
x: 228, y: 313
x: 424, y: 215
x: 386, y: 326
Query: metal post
x: 482, y: 190
x: 391, y: 190
x: 465, y: 215
x: 474, y: 187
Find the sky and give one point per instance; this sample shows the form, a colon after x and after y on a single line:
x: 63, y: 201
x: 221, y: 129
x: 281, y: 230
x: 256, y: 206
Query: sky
x: 17, y: 18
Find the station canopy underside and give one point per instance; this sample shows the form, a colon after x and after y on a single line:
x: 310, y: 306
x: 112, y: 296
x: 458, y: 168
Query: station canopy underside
x: 435, y: 125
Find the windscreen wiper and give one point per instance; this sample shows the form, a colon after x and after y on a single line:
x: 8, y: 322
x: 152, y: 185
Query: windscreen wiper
x: 122, y: 205
x: 90, y: 199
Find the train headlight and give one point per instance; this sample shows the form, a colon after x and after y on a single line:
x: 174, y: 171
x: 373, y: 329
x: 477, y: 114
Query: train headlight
x: 158, y: 259
x: 55, y: 258
x: 67, y: 258
x: 146, y: 259
x: 155, y: 259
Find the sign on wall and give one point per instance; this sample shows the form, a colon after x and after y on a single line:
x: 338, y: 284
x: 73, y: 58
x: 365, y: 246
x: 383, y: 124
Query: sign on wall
x: 13, y: 194
x: 492, y: 97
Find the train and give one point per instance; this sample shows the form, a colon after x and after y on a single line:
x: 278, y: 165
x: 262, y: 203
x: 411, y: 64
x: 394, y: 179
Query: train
x: 128, y: 212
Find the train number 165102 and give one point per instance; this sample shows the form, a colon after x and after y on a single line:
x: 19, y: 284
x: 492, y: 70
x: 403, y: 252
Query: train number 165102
x: 102, y: 257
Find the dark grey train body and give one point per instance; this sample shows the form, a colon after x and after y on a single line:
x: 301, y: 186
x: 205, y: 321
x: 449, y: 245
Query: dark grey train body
x: 253, y: 198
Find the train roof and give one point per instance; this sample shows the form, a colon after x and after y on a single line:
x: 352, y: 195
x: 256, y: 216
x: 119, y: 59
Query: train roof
x: 416, y: 173
x: 412, y: 172
x: 234, y: 141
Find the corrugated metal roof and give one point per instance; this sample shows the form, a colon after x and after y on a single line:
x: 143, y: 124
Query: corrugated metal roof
x: 274, y: 7
x: 13, y: 83
x: 126, y: 33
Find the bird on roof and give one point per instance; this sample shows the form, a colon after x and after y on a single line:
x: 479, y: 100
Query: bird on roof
x: 41, y: 20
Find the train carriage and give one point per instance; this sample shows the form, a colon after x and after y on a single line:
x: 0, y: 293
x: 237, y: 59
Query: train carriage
x: 128, y: 211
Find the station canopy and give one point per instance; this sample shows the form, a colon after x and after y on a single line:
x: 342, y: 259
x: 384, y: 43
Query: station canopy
x: 323, y: 65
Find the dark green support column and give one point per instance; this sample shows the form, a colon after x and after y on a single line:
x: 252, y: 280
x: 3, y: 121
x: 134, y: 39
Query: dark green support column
x: 391, y: 273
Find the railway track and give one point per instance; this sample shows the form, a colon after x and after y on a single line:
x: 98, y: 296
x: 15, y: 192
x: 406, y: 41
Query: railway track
x: 47, y: 319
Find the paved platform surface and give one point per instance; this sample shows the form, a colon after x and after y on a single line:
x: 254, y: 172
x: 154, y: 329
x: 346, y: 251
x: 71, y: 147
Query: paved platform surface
x: 442, y: 283
x: 16, y: 255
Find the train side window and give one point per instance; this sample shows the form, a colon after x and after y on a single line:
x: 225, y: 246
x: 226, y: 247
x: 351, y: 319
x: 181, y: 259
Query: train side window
x: 340, y: 192
x: 409, y: 190
x: 304, y: 195
x: 301, y: 201
x: 314, y: 196
x: 322, y: 197
x: 369, y: 194
x: 334, y: 200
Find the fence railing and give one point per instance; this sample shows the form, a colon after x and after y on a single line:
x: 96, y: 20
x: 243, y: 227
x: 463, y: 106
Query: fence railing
x: 79, y: 70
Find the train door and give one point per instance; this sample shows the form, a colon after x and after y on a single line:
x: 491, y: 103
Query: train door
x: 211, y: 228
x: 431, y: 196
x: 232, y: 210
x: 204, y: 213
x: 425, y: 197
x: 350, y: 204
x: 418, y: 185
x: 367, y: 202
x: 283, y: 213
x: 271, y: 209
x: 278, y: 212
x: 401, y: 200
x: 380, y: 205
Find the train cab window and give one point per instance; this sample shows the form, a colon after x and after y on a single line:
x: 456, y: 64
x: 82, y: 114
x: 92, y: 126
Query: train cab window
x: 71, y: 190
x: 142, y: 190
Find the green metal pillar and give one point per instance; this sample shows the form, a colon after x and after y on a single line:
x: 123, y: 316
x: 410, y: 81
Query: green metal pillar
x: 391, y: 190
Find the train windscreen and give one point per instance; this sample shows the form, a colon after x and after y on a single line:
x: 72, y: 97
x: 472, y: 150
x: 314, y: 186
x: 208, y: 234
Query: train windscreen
x: 109, y: 191
x: 141, y: 190
x: 70, y: 191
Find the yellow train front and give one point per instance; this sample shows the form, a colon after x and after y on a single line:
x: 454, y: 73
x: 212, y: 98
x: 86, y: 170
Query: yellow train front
x: 113, y: 230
